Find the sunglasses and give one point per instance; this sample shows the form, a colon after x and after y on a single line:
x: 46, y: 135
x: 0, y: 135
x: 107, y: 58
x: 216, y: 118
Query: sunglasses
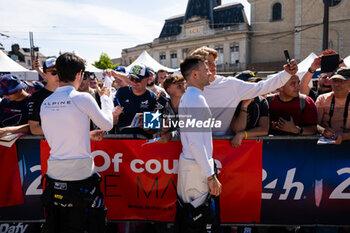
x: 53, y: 72
x: 135, y: 80
x: 93, y: 82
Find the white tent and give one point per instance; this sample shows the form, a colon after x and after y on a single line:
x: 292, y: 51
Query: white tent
x: 89, y: 67
x: 302, y: 67
x: 347, y: 61
x: 98, y: 72
x: 7, y: 65
x: 149, y: 61
x: 32, y: 75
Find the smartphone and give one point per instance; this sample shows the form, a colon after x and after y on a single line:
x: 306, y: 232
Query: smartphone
x: 329, y: 63
x: 286, y: 55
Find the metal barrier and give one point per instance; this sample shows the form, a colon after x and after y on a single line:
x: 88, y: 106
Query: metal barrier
x: 302, y: 183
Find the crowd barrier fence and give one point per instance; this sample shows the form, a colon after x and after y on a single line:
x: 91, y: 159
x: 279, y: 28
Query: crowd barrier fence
x: 267, y: 181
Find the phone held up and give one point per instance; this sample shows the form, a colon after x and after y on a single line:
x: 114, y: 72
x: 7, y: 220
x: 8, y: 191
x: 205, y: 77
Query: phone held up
x: 329, y: 63
x: 286, y: 55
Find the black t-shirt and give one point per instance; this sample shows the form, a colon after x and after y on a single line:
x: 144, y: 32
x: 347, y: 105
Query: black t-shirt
x: 35, y: 103
x: 13, y: 113
x: 132, y: 104
x: 315, y: 94
x: 256, y: 109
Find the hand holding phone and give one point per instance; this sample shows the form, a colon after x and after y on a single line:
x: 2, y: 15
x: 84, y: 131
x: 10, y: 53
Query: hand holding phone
x: 36, y: 62
x: 286, y: 55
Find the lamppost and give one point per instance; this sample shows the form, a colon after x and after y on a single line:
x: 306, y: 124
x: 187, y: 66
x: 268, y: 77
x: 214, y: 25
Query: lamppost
x: 325, y: 24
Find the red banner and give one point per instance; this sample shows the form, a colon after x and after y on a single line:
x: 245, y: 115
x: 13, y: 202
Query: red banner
x: 140, y: 181
x: 10, y: 182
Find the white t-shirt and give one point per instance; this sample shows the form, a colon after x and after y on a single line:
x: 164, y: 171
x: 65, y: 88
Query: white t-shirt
x: 65, y: 119
x: 224, y: 94
x: 196, y: 146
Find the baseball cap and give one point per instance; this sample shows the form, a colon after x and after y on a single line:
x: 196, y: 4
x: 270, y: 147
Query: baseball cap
x: 37, y: 85
x: 49, y: 63
x: 255, y: 79
x: 342, y: 73
x: 10, y: 84
x: 120, y: 69
x: 139, y: 71
x: 245, y: 75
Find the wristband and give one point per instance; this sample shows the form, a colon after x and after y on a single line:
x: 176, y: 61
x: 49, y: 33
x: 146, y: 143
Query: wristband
x: 245, y: 134
x: 243, y: 110
x: 311, y: 70
x: 341, y: 61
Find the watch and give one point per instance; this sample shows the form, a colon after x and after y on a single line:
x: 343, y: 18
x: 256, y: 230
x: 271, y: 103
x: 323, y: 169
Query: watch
x: 311, y: 70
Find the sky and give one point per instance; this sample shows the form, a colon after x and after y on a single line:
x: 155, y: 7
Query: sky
x: 87, y: 27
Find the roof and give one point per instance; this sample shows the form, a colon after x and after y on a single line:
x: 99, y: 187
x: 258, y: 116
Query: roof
x: 228, y: 15
x: 218, y: 16
x: 172, y: 27
x: 176, y: 16
x: 200, y: 8
x: 226, y: 5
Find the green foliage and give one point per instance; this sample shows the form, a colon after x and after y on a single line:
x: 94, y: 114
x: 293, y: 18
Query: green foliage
x: 104, y: 62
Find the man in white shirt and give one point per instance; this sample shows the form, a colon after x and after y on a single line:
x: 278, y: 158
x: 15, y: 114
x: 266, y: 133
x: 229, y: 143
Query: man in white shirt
x: 224, y: 94
x: 72, y: 198
x: 196, y: 176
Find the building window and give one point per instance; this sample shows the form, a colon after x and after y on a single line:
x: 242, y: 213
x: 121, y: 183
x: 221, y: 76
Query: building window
x: 130, y: 60
x: 220, y: 51
x: 234, y: 54
x: 276, y: 11
x: 162, y: 59
x: 334, y: 2
x: 29, y: 62
x: 173, y: 60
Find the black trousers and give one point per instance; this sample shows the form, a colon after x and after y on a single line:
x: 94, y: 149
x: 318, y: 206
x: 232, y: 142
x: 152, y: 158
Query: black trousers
x: 203, y: 219
x: 74, y: 220
x: 74, y: 206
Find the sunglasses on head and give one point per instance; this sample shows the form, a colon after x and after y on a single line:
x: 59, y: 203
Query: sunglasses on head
x: 135, y: 80
x: 85, y: 75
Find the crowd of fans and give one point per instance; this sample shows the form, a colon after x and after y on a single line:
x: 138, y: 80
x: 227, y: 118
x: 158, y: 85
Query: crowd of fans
x: 246, y: 106
x: 293, y: 109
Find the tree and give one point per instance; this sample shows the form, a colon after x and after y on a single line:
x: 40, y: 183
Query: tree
x: 104, y: 62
